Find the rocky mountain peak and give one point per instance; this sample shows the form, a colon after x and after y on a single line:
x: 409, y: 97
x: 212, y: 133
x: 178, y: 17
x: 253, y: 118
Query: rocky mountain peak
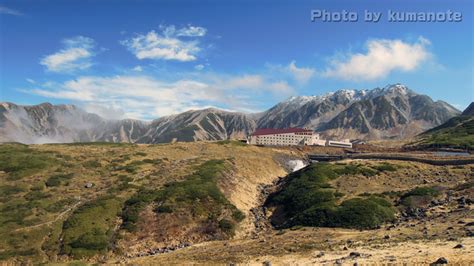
x: 390, y: 112
x: 469, y: 110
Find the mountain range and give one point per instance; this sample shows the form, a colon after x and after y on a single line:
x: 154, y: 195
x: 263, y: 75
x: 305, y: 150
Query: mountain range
x: 394, y: 111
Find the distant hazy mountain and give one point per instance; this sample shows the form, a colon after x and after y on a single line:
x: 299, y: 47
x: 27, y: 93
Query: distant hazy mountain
x: 207, y: 124
x: 390, y: 112
x: 46, y: 123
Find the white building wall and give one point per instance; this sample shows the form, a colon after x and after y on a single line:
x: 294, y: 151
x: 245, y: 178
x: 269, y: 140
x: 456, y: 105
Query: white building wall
x: 287, y: 139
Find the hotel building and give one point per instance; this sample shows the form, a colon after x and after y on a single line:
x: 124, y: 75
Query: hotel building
x: 285, y: 137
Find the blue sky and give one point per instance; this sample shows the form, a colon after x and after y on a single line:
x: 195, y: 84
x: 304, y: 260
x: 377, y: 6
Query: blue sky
x: 145, y: 59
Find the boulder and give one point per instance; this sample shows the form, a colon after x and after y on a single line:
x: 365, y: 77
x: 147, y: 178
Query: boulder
x: 439, y: 261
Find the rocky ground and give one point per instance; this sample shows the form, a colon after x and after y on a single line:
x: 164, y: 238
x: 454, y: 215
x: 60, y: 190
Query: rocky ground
x: 441, y: 229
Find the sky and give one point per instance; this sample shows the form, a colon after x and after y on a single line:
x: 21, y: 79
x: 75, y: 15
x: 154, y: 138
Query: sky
x: 147, y: 59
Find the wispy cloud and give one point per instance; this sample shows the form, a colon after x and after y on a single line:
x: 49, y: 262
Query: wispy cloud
x: 75, y: 55
x: 382, y: 57
x: 188, y: 31
x: 167, y: 45
x: 9, y: 11
x: 292, y: 72
x: 199, y: 67
x: 145, y: 97
x: 301, y: 74
x: 137, y: 68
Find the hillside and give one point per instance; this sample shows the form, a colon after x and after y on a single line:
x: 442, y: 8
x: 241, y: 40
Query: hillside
x: 85, y: 200
x: 393, y: 112
x: 119, y: 202
x: 431, y: 207
x: 469, y: 110
x: 457, y: 133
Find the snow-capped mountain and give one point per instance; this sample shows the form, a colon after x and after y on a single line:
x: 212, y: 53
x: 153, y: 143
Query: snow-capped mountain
x: 390, y: 112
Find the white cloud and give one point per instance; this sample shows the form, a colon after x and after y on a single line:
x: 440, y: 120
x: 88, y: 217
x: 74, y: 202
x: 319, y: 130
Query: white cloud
x: 31, y: 81
x: 188, y: 31
x: 382, y: 57
x: 167, y: 45
x: 9, y: 11
x: 199, y: 67
x: 138, y: 69
x: 301, y: 74
x: 281, y: 87
x: 145, y: 97
x: 75, y: 56
x: 291, y: 72
x: 192, y: 31
x: 245, y: 81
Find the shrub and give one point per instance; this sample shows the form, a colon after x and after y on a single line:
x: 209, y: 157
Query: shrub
x: 59, y: 205
x: 94, y: 240
x: 57, y: 179
x: 308, y: 200
x: 238, y: 215
x: 385, y: 167
x: 53, y: 182
x: 131, y: 167
x: 7, y: 190
x: 418, y: 196
x: 231, y: 142
x: 37, y: 187
x: 226, y: 226
x: 164, y: 209
x: 36, y: 195
x: 422, y: 191
x: 20, y: 161
x: 364, y: 213
x: 198, y: 194
x: 89, y: 229
x: 92, y: 164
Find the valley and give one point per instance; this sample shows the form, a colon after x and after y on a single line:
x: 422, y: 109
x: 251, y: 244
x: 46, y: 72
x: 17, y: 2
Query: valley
x: 211, y: 202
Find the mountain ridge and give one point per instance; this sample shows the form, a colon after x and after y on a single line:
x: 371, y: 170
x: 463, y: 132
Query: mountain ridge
x: 394, y: 111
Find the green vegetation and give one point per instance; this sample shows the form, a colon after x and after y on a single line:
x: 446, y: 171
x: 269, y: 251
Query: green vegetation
x: 197, y: 195
x: 56, y: 180
x: 227, y: 226
x: 90, y: 229
x: 131, y: 167
x: 419, y: 196
x: 15, y: 212
x: 92, y: 164
x: 385, y: 167
x: 458, y: 132
x: 59, y: 205
x: 109, y: 144
x: 36, y: 195
x: 7, y: 190
x: 19, y: 160
x: 309, y: 200
x: 231, y: 142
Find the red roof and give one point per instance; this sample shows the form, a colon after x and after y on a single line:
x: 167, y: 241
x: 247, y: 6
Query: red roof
x: 272, y: 131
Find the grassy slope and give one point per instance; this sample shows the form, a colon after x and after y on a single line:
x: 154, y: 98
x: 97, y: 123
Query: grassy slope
x: 458, y: 132
x: 43, y: 197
